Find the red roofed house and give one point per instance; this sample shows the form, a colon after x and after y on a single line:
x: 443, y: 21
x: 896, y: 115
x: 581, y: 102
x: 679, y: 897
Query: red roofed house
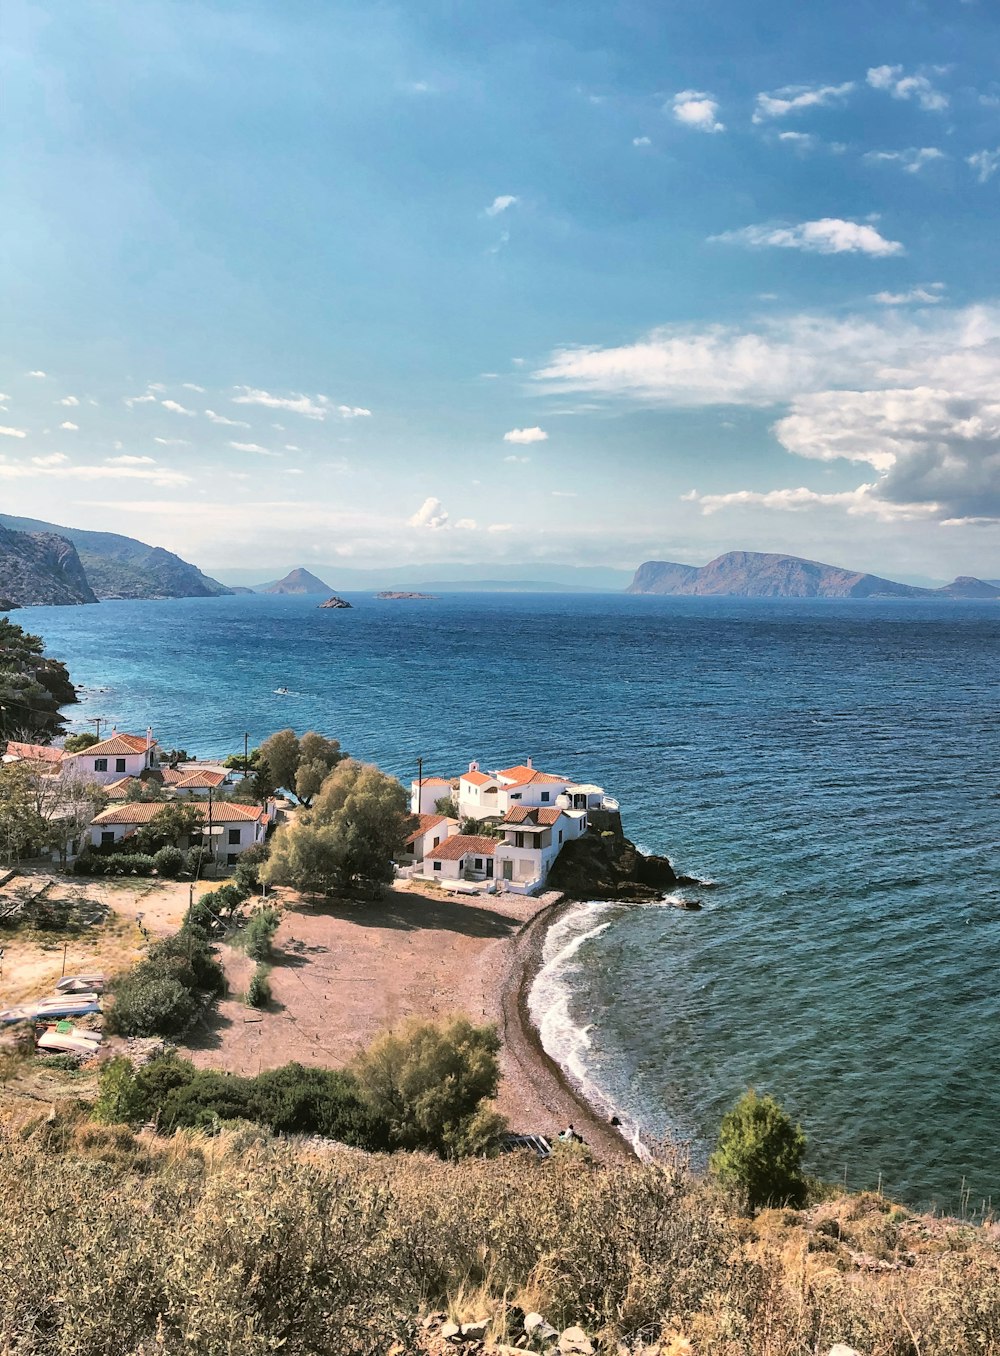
x: 533, y: 837
x: 425, y: 792
x: 234, y: 827
x: 118, y: 756
x: 427, y: 833
x: 462, y: 857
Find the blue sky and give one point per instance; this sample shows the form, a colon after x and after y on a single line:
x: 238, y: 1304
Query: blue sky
x: 515, y: 284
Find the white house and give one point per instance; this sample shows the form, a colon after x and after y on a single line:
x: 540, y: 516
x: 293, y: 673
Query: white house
x: 489, y: 795
x: 118, y: 756
x: 427, y: 834
x: 234, y: 827
x: 533, y: 837
x: 462, y: 857
x: 425, y: 792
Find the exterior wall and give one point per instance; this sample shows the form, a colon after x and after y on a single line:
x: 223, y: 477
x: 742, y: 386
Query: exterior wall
x: 428, y: 841
x: 81, y: 765
x: 534, y: 864
x: 249, y: 832
x: 534, y: 793
x: 478, y: 802
x: 430, y: 793
x: 449, y: 870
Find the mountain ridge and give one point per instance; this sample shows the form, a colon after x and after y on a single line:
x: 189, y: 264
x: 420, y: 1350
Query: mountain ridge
x: 41, y: 568
x: 763, y: 574
x: 116, y: 566
x: 295, y: 582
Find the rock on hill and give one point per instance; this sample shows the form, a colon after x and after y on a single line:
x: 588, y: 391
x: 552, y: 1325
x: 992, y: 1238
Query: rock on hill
x: 38, y: 568
x: 757, y: 574
x: 296, y: 581
x: 122, y: 567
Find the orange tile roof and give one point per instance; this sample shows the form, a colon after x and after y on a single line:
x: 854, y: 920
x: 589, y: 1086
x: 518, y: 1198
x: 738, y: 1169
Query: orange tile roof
x: 425, y: 824
x: 35, y: 753
x: 476, y: 778
x: 522, y: 775
x: 433, y: 781
x: 142, y: 811
x: 198, y: 781
x: 119, y: 790
x: 463, y: 845
x: 539, y: 816
x: 117, y: 746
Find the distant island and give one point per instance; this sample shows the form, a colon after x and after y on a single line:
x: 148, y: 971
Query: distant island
x: 298, y: 581
x: 391, y: 593
x: 758, y: 574
x: 43, y: 563
x: 336, y: 602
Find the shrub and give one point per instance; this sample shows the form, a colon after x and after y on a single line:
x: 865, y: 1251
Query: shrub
x: 151, y: 1003
x: 246, y: 873
x: 169, y: 862
x: 108, y: 862
x: 431, y: 1084
x: 760, y: 1153
x: 120, y: 1098
x: 260, y: 932
x: 259, y: 988
x: 196, y: 859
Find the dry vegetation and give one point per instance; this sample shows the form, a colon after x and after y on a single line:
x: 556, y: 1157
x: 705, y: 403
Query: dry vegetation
x: 113, y: 1243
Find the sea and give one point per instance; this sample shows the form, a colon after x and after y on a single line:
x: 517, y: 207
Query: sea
x: 828, y: 769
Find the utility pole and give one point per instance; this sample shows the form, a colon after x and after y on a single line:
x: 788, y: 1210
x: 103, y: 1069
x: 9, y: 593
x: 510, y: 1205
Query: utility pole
x: 246, y: 754
x: 420, y: 785
x: 98, y: 721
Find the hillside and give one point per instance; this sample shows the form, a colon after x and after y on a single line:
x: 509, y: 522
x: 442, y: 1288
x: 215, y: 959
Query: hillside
x: 297, y: 581
x: 123, y: 567
x: 756, y: 574
x: 38, y: 568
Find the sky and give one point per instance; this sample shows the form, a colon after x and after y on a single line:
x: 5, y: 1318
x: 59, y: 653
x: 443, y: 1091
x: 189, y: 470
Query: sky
x: 518, y: 285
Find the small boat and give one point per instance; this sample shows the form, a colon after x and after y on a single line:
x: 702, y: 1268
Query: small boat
x: 281, y: 691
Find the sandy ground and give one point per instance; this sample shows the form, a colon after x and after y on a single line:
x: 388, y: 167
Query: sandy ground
x: 343, y: 971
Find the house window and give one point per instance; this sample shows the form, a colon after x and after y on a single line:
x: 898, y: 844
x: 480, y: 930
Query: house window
x: 545, y: 797
x: 232, y: 858
x: 519, y: 840
x: 107, y: 837
x: 560, y: 835
x: 234, y: 837
x: 119, y: 764
x: 437, y: 866
x: 100, y: 765
x: 437, y: 842
x: 515, y: 795
x: 479, y: 863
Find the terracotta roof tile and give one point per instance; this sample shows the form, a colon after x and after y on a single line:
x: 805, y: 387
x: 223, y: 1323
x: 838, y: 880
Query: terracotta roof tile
x: 142, y: 811
x: 523, y: 775
x: 540, y: 816
x: 35, y: 753
x: 117, y: 746
x: 425, y: 824
x: 476, y: 778
x: 463, y: 845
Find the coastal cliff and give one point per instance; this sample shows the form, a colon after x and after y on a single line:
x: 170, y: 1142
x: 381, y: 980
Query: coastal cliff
x: 40, y: 568
x: 604, y: 864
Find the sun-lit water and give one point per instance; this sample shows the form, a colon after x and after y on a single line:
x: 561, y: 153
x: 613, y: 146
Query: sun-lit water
x: 833, y: 766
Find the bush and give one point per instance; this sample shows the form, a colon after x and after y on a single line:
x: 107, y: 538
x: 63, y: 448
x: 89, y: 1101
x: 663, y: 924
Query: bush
x: 260, y: 932
x: 109, y: 862
x: 760, y: 1153
x: 196, y: 859
x: 120, y: 1099
x: 169, y: 862
x: 431, y: 1085
x: 259, y: 988
x: 246, y: 872
x: 162, y: 995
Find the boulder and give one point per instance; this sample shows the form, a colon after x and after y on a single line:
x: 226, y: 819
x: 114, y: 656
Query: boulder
x: 451, y: 1332
x: 575, y: 1342
x: 475, y: 1332
x: 538, y: 1330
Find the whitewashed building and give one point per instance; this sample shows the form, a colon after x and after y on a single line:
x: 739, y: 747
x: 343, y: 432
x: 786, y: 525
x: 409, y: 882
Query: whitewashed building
x: 462, y: 857
x: 234, y: 827
x: 429, y: 832
x: 533, y: 837
x: 425, y: 792
x: 118, y: 756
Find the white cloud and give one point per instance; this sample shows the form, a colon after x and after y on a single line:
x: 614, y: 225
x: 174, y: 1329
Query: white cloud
x: 928, y: 295
x: 642, y: 141
x: 157, y: 476
x: 146, y: 399
x: 500, y: 527
x: 912, y: 160
x: 290, y: 447
x: 254, y: 447
x: 313, y: 407
x: 525, y: 435
x: 13, y: 432
x: 69, y: 426
x: 858, y: 502
x: 51, y: 459
x: 221, y: 419
x: 466, y: 525
x: 564, y: 494
x: 353, y: 412
x: 127, y: 460
x: 172, y: 442
x: 431, y: 514
x: 985, y: 163
x: 37, y: 374
x: 794, y: 98
x: 829, y: 235
x: 696, y: 109
x: 802, y: 141
x: 513, y: 458
x: 192, y: 386
x: 501, y: 204
x: 175, y: 408
x: 900, y: 86
x: 68, y: 400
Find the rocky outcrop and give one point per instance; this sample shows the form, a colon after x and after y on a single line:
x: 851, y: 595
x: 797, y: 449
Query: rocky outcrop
x: 607, y: 865
x: 336, y: 602
x: 395, y: 595
x: 966, y: 586
x: 295, y: 582
x: 39, y: 568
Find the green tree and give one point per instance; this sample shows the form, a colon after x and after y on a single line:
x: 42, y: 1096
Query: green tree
x: 356, y: 826
x: 318, y: 756
x: 760, y: 1152
x: 280, y: 752
x: 431, y: 1084
x: 76, y: 743
x: 447, y: 805
x: 176, y: 821
x: 22, y: 828
x: 120, y: 1098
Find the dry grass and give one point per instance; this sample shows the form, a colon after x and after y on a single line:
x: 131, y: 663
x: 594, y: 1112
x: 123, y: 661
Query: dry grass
x: 112, y: 1243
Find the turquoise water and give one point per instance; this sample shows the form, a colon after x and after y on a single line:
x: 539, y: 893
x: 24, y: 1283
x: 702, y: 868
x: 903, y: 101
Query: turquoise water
x: 831, y: 766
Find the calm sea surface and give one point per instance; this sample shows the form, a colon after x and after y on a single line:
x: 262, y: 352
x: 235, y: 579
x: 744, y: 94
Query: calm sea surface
x: 832, y: 767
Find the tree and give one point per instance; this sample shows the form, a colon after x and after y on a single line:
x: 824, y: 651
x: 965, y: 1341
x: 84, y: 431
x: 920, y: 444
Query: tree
x: 76, y: 743
x: 167, y: 827
x: 298, y: 765
x: 760, y: 1153
x: 32, y: 687
x: 22, y: 829
x: 431, y: 1083
x: 448, y: 806
x: 356, y: 826
x: 280, y: 752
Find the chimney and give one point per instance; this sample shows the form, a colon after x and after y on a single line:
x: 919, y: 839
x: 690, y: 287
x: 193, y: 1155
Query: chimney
x: 473, y: 766
x: 529, y: 763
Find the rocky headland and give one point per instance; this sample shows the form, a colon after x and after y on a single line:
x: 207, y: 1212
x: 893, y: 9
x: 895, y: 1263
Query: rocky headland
x: 606, y: 865
x: 335, y: 602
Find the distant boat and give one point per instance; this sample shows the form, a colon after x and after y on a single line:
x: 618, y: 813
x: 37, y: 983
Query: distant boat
x: 281, y: 691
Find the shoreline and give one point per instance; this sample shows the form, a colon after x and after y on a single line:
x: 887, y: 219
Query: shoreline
x: 527, y: 1062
